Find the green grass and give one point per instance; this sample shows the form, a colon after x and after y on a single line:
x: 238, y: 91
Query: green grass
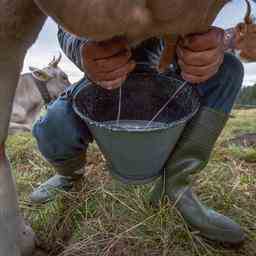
x: 105, y: 218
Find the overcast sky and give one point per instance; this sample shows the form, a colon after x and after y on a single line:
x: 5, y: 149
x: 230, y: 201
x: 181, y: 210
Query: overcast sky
x: 47, y: 46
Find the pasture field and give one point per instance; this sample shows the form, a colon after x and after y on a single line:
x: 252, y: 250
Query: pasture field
x: 101, y: 217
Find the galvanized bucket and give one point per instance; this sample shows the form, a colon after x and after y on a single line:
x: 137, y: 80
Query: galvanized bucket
x: 137, y: 151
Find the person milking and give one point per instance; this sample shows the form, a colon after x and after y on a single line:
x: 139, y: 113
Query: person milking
x: 202, y: 60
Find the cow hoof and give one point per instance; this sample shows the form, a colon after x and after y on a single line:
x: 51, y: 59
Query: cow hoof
x: 27, y: 241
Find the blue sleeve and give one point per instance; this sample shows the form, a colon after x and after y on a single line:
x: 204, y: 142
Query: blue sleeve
x: 148, y: 51
x: 72, y: 46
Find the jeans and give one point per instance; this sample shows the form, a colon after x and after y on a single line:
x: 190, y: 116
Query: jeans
x: 63, y: 137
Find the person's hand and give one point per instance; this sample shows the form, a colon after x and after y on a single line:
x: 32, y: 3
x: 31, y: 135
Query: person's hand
x: 108, y: 63
x: 245, y: 41
x: 201, y: 55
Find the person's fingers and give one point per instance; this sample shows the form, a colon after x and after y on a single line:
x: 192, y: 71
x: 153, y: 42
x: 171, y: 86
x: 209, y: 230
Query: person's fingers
x: 200, y: 58
x: 111, y: 85
x: 246, y: 42
x: 197, y: 79
x: 117, y: 73
x: 108, y: 60
x: 248, y: 54
x: 202, y: 42
x: 201, y: 70
x: 200, y: 55
x: 115, y: 62
x: 251, y: 28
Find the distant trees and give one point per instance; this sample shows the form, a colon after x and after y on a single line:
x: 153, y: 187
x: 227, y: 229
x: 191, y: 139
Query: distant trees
x: 247, y: 96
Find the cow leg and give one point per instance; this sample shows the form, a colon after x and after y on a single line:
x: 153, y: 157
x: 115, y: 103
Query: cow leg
x: 10, y: 221
x: 15, y: 236
x: 20, y: 23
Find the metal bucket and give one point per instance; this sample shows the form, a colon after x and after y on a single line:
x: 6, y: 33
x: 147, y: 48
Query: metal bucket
x: 137, y: 153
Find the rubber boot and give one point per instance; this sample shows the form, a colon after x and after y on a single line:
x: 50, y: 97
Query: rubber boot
x: 48, y: 190
x: 190, y: 156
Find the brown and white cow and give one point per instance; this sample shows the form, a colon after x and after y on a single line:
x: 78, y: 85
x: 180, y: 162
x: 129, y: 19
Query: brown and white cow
x: 35, y: 90
x: 20, y: 24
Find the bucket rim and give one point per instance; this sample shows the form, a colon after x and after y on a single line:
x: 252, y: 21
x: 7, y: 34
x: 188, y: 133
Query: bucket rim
x: 111, y: 127
x: 114, y: 128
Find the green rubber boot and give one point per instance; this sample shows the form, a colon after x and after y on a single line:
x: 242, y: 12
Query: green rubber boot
x: 190, y: 156
x: 67, y: 175
x: 48, y: 190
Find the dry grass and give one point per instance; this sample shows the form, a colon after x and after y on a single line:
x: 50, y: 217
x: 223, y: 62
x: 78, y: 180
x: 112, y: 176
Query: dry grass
x: 102, y: 217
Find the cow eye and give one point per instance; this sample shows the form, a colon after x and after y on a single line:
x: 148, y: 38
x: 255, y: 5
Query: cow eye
x: 65, y: 78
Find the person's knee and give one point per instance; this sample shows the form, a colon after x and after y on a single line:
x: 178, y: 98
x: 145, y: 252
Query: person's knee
x: 221, y: 91
x: 47, y: 131
x: 59, y: 134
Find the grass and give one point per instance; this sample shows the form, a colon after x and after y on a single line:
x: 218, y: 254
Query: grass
x: 101, y: 217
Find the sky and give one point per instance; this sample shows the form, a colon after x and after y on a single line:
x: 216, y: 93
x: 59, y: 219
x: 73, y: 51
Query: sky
x: 46, y: 46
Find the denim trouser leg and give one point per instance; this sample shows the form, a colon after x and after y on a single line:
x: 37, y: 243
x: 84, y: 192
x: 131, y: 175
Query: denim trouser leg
x: 220, y: 92
x: 62, y: 137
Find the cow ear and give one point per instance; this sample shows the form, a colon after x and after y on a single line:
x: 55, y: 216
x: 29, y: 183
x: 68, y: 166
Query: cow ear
x: 32, y: 69
x: 40, y: 74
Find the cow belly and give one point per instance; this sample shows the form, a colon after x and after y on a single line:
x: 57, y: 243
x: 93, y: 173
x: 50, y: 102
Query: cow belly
x: 104, y: 19
x: 195, y: 18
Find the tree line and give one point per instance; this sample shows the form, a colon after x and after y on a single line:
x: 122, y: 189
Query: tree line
x: 247, y: 96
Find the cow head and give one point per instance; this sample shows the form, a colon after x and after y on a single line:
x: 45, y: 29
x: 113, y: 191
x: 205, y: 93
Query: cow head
x: 54, y: 78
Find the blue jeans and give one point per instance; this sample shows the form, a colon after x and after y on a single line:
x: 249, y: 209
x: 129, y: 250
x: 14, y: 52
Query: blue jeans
x: 63, y: 137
